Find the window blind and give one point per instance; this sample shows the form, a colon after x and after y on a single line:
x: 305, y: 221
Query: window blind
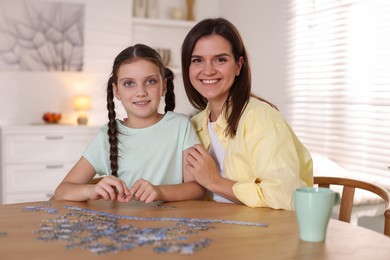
x: 338, y: 80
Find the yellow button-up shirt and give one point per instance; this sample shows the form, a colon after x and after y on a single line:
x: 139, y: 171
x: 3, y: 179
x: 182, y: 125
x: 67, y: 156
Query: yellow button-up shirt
x: 265, y: 158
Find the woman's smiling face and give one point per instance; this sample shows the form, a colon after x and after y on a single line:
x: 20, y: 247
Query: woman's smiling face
x: 213, y: 68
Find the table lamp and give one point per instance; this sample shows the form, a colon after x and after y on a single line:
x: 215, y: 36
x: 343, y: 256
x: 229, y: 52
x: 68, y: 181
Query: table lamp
x: 82, y: 104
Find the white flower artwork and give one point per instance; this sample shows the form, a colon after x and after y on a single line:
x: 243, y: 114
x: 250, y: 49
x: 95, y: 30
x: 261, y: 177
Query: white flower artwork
x: 41, y: 36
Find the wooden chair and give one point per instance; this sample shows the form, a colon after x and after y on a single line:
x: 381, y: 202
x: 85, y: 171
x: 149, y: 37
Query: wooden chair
x: 348, y: 193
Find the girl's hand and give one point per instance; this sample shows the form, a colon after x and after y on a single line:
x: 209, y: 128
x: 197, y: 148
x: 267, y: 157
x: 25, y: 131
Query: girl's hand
x: 110, y: 188
x: 144, y: 191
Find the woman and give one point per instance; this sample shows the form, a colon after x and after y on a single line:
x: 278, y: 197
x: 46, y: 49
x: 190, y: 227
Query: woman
x: 250, y: 154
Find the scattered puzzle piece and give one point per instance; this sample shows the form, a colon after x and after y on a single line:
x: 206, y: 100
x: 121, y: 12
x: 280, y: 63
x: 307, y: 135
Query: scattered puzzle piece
x: 90, y: 230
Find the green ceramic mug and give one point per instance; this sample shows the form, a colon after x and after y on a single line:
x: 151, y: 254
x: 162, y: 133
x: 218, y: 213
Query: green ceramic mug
x: 313, y: 208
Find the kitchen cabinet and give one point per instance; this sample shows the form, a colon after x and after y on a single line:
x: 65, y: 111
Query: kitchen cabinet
x: 35, y: 158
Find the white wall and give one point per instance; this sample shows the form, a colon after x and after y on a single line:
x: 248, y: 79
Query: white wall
x: 262, y: 27
x: 25, y: 96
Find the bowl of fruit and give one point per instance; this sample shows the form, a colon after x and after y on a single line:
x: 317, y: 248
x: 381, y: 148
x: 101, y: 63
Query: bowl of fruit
x: 51, y: 118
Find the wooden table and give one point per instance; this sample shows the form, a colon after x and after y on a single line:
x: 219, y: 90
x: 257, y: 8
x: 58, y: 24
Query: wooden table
x: 279, y: 240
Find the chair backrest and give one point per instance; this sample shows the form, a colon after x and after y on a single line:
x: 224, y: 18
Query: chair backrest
x: 346, y: 203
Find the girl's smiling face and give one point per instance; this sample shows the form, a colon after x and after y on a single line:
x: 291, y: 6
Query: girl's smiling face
x: 213, y: 68
x: 140, y: 87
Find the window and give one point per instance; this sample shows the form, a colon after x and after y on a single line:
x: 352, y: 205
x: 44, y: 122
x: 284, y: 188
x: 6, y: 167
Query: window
x: 338, y: 98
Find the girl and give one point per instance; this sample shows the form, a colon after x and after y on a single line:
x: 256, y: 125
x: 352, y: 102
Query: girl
x: 250, y: 154
x: 145, y: 152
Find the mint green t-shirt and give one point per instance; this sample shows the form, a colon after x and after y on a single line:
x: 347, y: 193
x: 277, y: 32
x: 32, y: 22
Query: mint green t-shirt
x: 153, y: 153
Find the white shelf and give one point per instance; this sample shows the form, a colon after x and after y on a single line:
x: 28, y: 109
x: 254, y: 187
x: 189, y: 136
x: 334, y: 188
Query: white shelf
x: 163, y: 22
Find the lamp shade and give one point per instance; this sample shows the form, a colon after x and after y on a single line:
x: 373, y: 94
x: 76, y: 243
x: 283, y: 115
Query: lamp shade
x: 82, y: 103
